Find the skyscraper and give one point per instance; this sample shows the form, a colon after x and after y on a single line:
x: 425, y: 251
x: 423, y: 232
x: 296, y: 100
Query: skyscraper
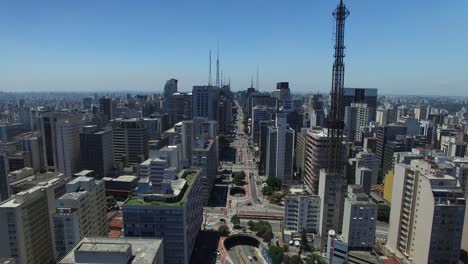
x: 205, y: 102
x: 366, y: 96
x: 4, y: 183
x: 130, y: 141
x: 105, y: 106
x: 426, y: 220
x: 68, y: 147
x: 280, y: 150
x: 96, y: 150
x: 357, y: 116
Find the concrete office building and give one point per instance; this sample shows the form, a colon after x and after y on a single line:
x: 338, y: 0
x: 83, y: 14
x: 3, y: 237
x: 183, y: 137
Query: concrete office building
x: 263, y: 144
x: 79, y: 213
x: 337, y: 248
x: 205, y: 156
x: 96, y: 150
x: 359, y: 219
x: 259, y: 113
x: 357, y: 116
x: 26, y: 230
x: 197, y: 129
x: 426, y: 220
x: 169, y: 89
x: 68, y: 147
x: 154, y: 128
x: 4, y: 182
x: 384, y: 134
x: 367, y: 159
x: 106, y: 107
x: 130, y: 141
x: 181, y: 107
x: 361, y: 95
x: 331, y: 192
x: 300, y: 151
x: 302, y: 212
x: 122, y: 250
x: 421, y: 112
x: 205, y: 102
x: 53, y: 123
x: 175, y: 216
x: 31, y: 145
x: 280, y: 150
x: 317, y: 148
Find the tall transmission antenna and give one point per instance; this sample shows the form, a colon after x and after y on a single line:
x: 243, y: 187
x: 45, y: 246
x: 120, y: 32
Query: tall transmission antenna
x: 258, y: 85
x: 209, y: 74
x: 336, y: 116
x: 217, y: 66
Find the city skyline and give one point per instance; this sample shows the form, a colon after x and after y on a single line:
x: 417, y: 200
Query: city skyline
x: 52, y: 46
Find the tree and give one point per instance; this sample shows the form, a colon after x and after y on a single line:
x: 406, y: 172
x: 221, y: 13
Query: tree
x: 276, y: 197
x: 262, y: 229
x: 235, y: 220
x: 274, y: 183
x: 296, y: 260
x: 238, y: 178
x: 223, y: 231
x: 304, y: 243
x: 276, y: 254
x: 267, y: 191
x: 315, y: 259
x: 110, y: 202
x: 383, y: 213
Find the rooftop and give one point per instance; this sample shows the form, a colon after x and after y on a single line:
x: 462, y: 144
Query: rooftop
x: 143, y: 251
x: 169, y: 200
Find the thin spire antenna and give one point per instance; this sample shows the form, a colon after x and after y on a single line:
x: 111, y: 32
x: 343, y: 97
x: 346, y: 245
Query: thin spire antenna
x: 209, y: 74
x: 217, y: 65
x: 251, y: 82
x: 258, y: 86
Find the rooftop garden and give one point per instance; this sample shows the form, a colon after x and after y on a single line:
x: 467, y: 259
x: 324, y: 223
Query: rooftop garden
x: 176, y: 201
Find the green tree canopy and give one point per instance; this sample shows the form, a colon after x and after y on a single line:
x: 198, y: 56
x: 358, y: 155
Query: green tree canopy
x: 235, y: 220
x: 276, y: 254
x: 223, y: 231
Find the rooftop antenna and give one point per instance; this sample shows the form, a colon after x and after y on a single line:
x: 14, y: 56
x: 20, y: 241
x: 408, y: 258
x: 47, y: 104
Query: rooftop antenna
x: 209, y: 76
x: 258, y: 86
x: 251, y: 82
x: 217, y: 65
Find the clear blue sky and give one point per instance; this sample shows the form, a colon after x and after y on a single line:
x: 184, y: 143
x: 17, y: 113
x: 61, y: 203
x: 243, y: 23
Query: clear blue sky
x: 398, y: 46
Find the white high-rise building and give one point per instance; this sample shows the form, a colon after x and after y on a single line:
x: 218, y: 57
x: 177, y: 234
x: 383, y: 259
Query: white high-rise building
x: 80, y: 212
x: 26, y: 228
x: 68, y: 147
x: 302, y: 212
x: 280, y: 150
x: 359, y: 219
x: 357, y: 116
x: 426, y: 220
